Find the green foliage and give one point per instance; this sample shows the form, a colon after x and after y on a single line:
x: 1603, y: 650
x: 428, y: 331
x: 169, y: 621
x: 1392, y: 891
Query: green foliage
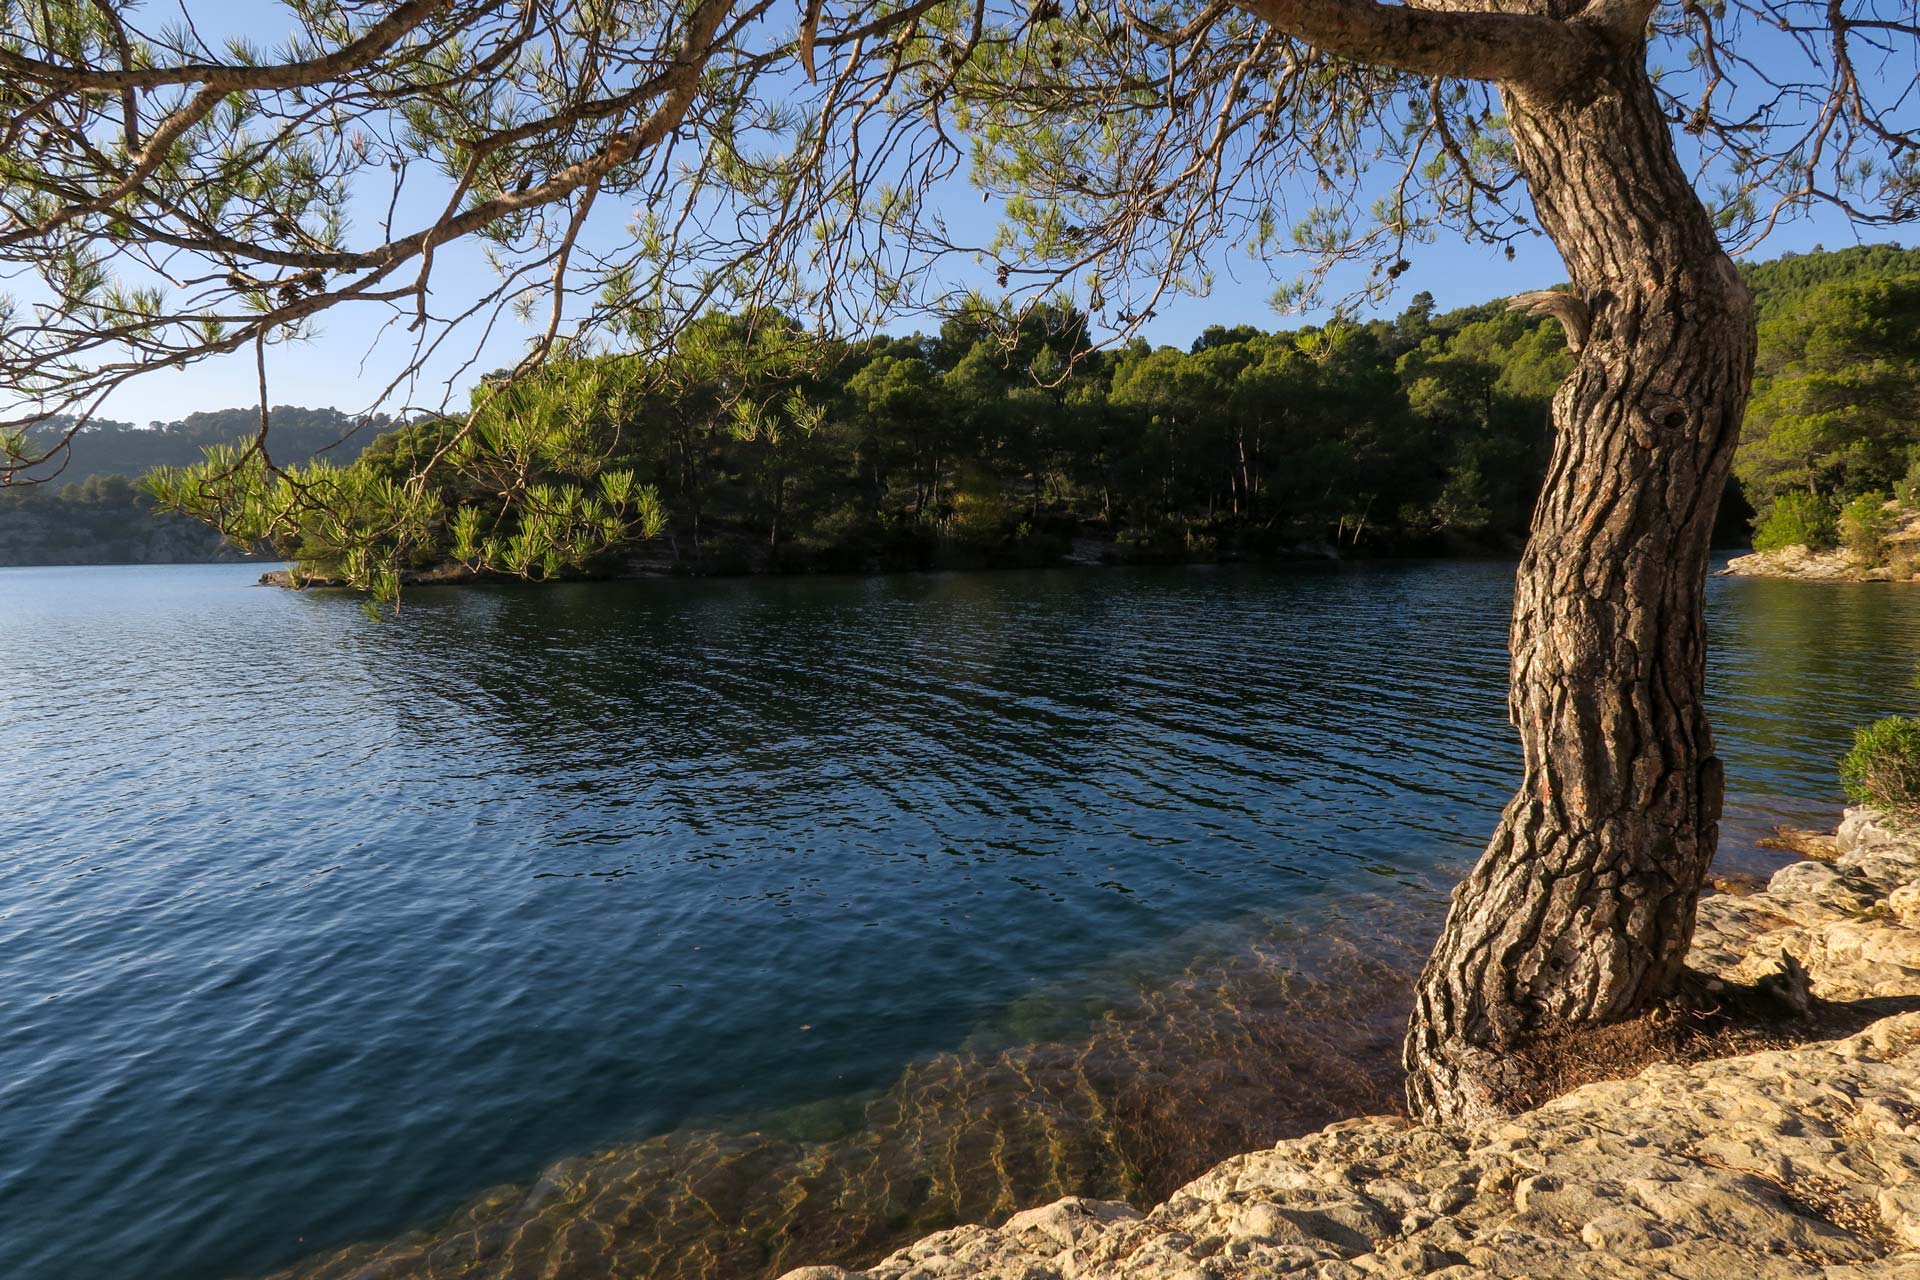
x: 1836, y: 403
x: 1908, y: 490
x: 757, y: 445
x: 1883, y: 769
x: 1780, y: 286
x: 1461, y: 505
x: 1864, y: 524
x: 519, y: 489
x: 92, y: 498
x: 108, y: 448
x: 1797, y: 519
x: 351, y: 524
x: 102, y: 491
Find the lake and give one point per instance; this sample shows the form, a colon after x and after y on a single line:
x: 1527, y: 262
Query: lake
x: 703, y: 927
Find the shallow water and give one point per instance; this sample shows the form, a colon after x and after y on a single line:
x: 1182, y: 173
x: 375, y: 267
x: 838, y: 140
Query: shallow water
x: 911, y: 898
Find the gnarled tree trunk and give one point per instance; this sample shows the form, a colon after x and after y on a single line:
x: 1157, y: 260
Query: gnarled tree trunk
x: 1582, y: 908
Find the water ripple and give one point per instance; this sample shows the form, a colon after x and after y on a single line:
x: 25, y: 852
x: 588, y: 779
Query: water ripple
x: 310, y: 931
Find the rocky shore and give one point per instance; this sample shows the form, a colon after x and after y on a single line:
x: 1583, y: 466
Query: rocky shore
x: 1812, y: 566
x: 449, y: 575
x: 1897, y: 560
x: 1795, y: 1163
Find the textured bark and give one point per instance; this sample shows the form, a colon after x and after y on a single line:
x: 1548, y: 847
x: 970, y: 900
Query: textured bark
x: 1581, y: 910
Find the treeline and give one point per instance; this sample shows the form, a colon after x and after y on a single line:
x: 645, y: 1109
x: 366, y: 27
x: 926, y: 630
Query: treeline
x: 758, y: 448
x: 762, y: 447
x: 1830, y: 451
x: 105, y: 447
x: 1779, y: 285
x: 1424, y: 434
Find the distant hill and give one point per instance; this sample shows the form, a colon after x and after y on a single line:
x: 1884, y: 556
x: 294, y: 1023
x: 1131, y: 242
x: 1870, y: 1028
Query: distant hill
x: 1778, y: 284
x: 108, y: 448
x: 88, y: 510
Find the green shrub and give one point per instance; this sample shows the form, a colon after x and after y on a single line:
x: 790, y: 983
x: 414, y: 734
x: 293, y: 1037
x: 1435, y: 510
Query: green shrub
x: 1163, y: 542
x: 1796, y: 519
x: 1909, y: 486
x: 1864, y: 525
x: 1883, y: 769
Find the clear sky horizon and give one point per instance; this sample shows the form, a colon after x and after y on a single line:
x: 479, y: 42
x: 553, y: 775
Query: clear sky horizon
x: 337, y: 370
x: 359, y: 350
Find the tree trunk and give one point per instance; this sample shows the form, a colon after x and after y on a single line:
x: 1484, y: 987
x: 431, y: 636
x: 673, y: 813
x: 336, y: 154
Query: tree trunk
x: 1582, y: 908
x: 779, y: 504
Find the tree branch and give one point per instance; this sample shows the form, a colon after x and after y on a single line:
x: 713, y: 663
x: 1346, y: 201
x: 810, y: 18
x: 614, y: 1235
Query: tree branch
x: 230, y: 77
x: 1531, y: 50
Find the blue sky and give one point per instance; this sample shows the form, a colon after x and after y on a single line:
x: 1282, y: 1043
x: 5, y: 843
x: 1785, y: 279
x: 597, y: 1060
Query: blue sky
x: 337, y: 370
x: 351, y: 359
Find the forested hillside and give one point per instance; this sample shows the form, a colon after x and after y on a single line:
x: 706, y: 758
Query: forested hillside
x: 1778, y: 285
x: 109, y: 448
x: 1830, y: 452
x: 85, y: 506
x: 1424, y: 434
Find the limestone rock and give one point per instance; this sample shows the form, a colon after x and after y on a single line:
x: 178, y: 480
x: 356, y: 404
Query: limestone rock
x: 1795, y: 562
x: 1798, y: 1164
x: 1814, y: 893
x: 1820, y: 846
x: 1799, y: 562
x: 1864, y: 832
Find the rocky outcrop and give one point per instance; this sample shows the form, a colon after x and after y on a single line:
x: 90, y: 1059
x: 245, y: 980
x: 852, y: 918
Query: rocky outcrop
x: 1794, y: 1163
x: 1809, y: 566
x: 1899, y: 560
x: 1853, y: 923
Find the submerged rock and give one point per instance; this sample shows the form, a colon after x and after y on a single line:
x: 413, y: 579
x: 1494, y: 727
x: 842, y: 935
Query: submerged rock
x: 1268, y: 1039
x: 1792, y: 1164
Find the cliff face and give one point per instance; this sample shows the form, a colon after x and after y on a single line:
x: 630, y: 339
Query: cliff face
x: 1789, y: 1164
x: 58, y: 533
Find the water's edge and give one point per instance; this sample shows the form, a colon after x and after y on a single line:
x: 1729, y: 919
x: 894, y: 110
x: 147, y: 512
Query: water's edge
x: 1273, y: 1038
x: 839, y: 908
x: 1773, y: 1165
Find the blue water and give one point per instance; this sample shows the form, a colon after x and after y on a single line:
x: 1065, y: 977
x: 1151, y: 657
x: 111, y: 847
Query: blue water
x: 310, y: 929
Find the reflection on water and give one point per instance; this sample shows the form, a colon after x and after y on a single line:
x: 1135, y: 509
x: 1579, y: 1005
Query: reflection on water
x: 1793, y: 669
x: 1270, y: 1037
x: 312, y: 930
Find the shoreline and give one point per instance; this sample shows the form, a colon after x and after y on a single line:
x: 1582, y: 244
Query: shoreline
x: 1324, y: 558
x: 1738, y: 1166
x: 1798, y: 564
x: 1130, y: 1090
x: 1788, y: 1163
x: 1085, y: 555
